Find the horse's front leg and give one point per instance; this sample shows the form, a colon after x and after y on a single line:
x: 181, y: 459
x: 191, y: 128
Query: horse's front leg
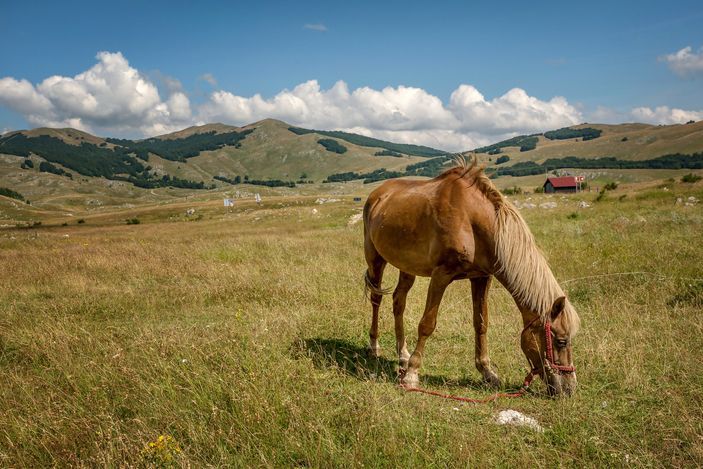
x: 479, y: 295
x: 438, y: 283
x: 405, y: 283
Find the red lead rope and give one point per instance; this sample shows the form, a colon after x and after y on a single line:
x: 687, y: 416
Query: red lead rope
x: 528, y: 379
x: 521, y: 392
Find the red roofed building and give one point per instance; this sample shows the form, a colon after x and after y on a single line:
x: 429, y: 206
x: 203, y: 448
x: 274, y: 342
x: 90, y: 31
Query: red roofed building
x: 562, y: 184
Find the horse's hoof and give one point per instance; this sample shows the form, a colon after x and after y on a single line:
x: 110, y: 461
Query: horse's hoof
x: 491, y: 379
x: 373, y: 352
x: 403, y: 363
x: 410, y: 379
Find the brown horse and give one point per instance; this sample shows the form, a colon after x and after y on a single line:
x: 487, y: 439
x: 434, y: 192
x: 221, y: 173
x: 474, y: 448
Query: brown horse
x: 459, y: 226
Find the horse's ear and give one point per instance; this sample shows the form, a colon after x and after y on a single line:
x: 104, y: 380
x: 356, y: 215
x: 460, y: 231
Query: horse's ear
x: 557, y: 308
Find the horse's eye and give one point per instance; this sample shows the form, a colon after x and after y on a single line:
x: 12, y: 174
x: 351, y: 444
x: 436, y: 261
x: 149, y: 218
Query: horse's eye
x: 562, y: 343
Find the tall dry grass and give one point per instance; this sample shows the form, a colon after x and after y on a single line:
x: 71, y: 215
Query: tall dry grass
x: 240, y: 340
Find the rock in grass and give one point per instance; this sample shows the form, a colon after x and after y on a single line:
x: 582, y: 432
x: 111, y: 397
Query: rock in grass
x: 513, y: 417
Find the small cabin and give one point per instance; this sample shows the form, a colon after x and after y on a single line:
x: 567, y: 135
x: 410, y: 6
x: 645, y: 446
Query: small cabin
x: 561, y: 184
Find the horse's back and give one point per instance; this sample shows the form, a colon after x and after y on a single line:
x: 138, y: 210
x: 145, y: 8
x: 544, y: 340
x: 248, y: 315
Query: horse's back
x: 418, y: 225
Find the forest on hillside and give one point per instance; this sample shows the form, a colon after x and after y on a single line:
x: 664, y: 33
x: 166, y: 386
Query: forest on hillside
x: 435, y: 166
x: 362, y: 141
x: 179, y: 149
x: 87, y: 159
x: 529, y: 142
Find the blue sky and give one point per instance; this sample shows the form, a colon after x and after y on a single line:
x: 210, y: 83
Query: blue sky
x: 608, y: 60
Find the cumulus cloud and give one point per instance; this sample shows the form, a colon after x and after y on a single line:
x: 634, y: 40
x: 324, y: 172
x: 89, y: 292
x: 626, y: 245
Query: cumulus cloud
x: 514, y: 112
x: 114, y: 98
x: 665, y: 115
x: 110, y: 96
x: 685, y: 62
x: 402, y: 113
x: 315, y: 27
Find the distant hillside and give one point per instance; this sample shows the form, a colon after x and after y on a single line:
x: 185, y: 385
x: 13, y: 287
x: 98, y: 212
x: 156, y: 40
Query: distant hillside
x: 626, y: 146
x: 120, y: 160
x: 68, y: 164
x: 624, y: 141
x: 200, y: 157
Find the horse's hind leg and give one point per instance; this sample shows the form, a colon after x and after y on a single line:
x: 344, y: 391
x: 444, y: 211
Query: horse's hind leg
x: 479, y: 295
x: 438, y: 283
x: 405, y: 283
x: 374, y: 275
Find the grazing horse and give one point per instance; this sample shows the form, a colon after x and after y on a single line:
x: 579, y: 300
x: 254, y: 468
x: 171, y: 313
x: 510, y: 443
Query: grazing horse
x: 459, y: 226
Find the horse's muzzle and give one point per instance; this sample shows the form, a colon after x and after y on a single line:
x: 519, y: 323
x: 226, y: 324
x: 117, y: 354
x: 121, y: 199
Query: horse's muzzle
x: 563, y: 384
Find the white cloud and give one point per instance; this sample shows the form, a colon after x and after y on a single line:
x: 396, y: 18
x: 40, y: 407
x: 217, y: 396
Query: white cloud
x: 665, y: 115
x: 209, y: 78
x: 405, y: 114
x: 685, y: 62
x: 514, y: 112
x: 111, y: 96
x: 114, y: 98
x: 21, y: 96
x: 315, y: 27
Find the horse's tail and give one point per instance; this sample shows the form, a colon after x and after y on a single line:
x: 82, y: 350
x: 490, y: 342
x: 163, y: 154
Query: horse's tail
x: 371, y: 289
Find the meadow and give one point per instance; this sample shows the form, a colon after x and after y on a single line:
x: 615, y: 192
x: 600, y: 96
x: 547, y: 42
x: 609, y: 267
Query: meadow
x: 238, y: 339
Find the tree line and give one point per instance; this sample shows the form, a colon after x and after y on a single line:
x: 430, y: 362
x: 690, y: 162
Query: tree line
x: 362, y: 141
x: 256, y: 182
x: 179, y: 149
x: 436, y: 166
x: 671, y: 161
x: 87, y: 159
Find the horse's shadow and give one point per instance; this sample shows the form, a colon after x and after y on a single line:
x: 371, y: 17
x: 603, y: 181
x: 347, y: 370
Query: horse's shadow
x: 356, y: 362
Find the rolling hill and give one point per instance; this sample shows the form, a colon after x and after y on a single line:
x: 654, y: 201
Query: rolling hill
x: 623, y: 141
x: 267, y: 149
x: 68, y: 167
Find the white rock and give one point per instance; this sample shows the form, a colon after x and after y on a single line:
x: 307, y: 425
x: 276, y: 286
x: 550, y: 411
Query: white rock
x: 583, y: 204
x: 528, y: 205
x: 354, y: 219
x: 548, y: 205
x: 692, y: 200
x: 323, y: 200
x: 513, y: 417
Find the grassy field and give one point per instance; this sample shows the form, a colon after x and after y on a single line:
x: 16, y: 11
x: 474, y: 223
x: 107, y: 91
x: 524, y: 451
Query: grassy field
x: 237, y: 338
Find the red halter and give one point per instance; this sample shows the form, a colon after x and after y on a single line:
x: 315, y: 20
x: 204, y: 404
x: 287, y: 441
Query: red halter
x: 553, y: 366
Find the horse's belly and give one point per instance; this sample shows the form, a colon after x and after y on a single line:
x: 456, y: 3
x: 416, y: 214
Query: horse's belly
x: 407, y: 248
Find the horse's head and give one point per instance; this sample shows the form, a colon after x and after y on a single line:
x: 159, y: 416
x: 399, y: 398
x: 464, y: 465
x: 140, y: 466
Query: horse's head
x: 547, y: 346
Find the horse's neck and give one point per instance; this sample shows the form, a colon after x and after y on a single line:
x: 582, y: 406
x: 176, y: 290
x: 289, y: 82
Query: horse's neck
x: 536, y: 300
x: 522, y: 268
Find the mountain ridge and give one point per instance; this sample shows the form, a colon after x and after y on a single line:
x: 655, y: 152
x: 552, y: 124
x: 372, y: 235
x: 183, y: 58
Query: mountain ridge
x: 211, y: 154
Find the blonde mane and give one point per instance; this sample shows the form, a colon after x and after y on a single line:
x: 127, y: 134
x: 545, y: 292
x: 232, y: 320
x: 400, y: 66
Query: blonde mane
x: 518, y: 258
